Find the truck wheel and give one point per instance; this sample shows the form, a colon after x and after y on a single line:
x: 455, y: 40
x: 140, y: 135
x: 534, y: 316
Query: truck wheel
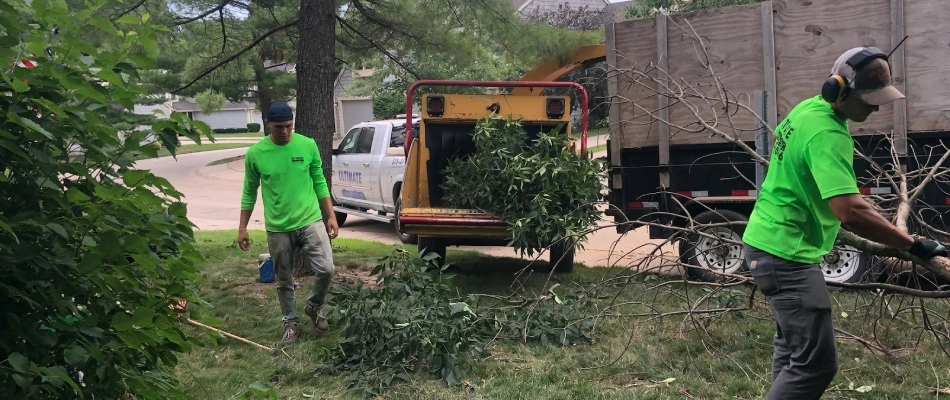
x: 432, y: 245
x: 706, y: 253
x: 340, y: 217
x: 562, y: 257
x: 846, y: 264
x: 406, y: 238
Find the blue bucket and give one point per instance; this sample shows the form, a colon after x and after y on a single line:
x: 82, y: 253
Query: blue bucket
x: 266, y: 267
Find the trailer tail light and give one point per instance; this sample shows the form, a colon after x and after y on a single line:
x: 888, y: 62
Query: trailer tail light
x: 643, y: 204
x: 744, y: 193
x: 435, y: 105
x: 554, y: 107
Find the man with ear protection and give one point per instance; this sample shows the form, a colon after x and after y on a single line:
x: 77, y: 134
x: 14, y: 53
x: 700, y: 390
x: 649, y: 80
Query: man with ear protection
x: 809, y: 191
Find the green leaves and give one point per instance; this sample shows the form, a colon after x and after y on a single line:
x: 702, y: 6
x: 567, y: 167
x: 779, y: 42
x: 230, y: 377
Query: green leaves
x: 413, y: 319
x: 87, y: 236
x: 544, y: 192
x: 409, y: 318
x: 18, y: 362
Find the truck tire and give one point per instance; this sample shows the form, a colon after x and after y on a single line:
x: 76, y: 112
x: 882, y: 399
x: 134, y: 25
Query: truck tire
x: 562, y: 257
x: 407, y: 238
x: 702, y: 254
x: 846, y: 264
x: 340, y: 217
x: 432, y: 245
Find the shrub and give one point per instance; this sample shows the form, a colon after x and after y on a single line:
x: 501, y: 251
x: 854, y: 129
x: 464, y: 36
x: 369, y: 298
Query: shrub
x: 388, y: 103
x: 410, y: 321
x: 557, y: 189
x: 413, y: 320
x: 229, y: 130
x: 94, y: 253
x: 253, y: 127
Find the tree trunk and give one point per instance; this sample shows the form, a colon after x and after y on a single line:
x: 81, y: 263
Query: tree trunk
x: 316, y: 72
x: 264, y: 96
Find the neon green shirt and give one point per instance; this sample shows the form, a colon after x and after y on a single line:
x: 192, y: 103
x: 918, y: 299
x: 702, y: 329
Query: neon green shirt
x: 812, y: 160
x: 292, y: 181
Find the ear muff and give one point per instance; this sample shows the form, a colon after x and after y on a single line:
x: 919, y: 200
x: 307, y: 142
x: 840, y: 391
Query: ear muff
x: 833, y: 88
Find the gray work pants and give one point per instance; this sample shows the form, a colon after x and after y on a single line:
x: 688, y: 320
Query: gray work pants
x: 804, y: 360
x: 315, y: 243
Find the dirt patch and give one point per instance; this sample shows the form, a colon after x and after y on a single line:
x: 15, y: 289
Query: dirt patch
x: 353, y: 275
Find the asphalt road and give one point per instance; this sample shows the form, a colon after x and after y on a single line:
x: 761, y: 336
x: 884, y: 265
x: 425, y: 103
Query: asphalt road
x: 213, y: 195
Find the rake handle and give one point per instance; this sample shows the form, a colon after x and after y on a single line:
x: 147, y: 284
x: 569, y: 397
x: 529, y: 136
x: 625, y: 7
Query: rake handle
x: 232, y: 336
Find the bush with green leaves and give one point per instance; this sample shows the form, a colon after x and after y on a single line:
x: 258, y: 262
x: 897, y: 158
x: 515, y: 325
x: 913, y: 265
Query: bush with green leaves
x: 409, y: 322
x: 388, y: 102
x: 545, y: 192
x: 413, y: 320
x: 253, y: 127
x: 230, y: 130
x: 94, y: 253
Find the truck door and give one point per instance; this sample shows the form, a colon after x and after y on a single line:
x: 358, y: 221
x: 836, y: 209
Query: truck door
x: 351, y: 176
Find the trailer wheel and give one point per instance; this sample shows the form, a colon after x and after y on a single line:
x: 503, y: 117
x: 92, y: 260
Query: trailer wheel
x: 707, y: 254
x: 846, y: 264
x: 403, y: 237
x: 340, y: 217
x: 432, y: 245
x: 562, y: 256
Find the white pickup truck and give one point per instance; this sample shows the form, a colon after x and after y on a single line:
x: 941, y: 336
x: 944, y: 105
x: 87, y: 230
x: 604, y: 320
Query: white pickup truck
x: 368, y: 167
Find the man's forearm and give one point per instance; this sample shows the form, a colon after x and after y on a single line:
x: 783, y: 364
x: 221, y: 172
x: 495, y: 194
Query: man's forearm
x: 869, y: 224
x: 245, y: 218
x: 326, y: 205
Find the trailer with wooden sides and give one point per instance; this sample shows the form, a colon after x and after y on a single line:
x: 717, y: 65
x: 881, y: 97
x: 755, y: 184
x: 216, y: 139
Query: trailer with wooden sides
x: 692, y: 94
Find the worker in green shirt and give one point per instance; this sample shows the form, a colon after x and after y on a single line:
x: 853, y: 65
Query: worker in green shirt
x: 287, y: 167
x: 809, y: 191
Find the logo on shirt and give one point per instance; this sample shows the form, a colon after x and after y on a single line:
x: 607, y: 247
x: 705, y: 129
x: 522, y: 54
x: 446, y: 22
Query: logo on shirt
x: 296, y: 160
x: 782, y: 134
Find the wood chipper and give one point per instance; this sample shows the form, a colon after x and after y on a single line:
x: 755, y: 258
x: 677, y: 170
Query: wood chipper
x: 445, y: 133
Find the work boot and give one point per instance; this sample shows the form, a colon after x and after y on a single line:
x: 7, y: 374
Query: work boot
x: 291, y: 331
x: 316, y: 315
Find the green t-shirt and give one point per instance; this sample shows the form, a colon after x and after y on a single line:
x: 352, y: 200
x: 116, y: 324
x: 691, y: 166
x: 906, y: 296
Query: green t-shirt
x: 292, y: 181
x: 812, y: 160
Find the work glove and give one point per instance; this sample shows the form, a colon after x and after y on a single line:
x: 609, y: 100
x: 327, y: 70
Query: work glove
x: 927, y: 249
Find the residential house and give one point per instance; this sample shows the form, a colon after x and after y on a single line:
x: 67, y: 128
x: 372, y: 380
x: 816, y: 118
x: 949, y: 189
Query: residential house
x: 231, y: 114
x: 350, y: 110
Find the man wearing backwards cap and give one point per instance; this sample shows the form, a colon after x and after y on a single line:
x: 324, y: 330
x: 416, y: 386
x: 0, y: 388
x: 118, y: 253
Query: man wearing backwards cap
x: 287, y: 166
x: 809, y: 191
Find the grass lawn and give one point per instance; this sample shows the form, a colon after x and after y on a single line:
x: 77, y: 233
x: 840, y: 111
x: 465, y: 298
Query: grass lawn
x: 633, y: 352
x: 576, y: 133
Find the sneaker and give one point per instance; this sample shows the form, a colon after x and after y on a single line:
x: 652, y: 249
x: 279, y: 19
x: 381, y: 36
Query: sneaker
x: 315, y: 313
x: 291, y: 331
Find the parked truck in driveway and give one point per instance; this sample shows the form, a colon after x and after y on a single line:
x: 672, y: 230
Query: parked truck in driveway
x: 673, y: 83
x: 368, y: 168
